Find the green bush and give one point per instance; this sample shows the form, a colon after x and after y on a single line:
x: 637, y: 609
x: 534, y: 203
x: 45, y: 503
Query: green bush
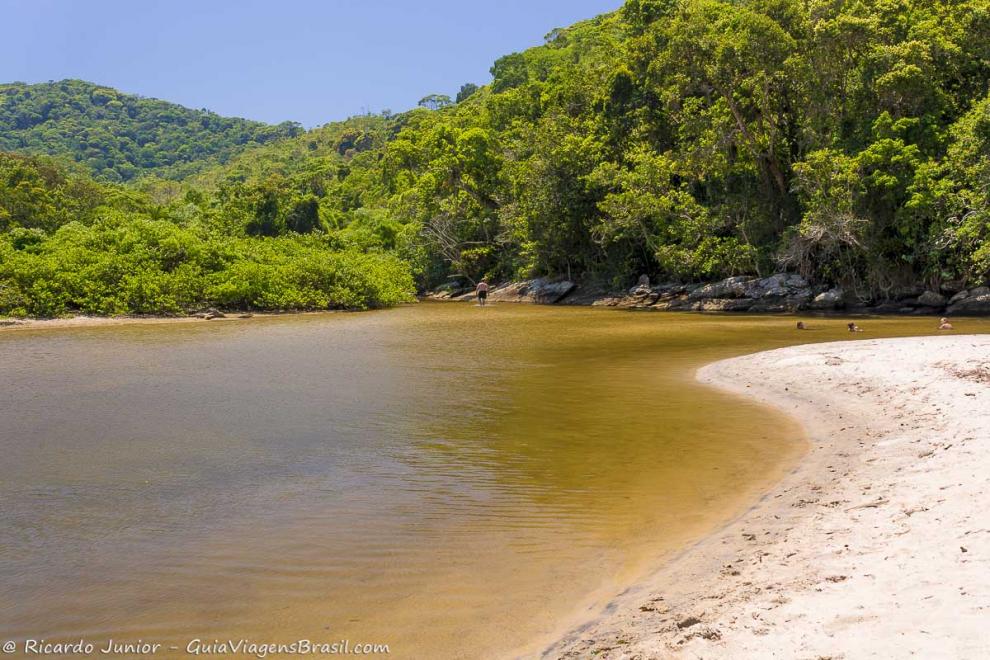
x: 123, y: 264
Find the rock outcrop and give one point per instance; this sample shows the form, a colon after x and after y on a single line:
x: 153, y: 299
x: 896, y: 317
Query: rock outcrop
x: 451, y: 291
x: 930, y: 299
x: 828, y: 300
x: 973, y: 301
x: 541, y: 290
x: 783, y: 292
x: 786, y: 292
x: 778, y: 293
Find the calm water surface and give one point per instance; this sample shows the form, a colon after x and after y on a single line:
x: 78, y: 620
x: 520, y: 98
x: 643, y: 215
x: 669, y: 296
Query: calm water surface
x: 451, y: 481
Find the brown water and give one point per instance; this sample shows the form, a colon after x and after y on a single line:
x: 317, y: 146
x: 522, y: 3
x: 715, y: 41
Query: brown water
x: 451, y: 481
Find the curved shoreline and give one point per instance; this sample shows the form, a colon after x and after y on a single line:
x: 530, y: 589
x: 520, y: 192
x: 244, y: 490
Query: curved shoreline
x: 84, y: 321
x: 876, y: 545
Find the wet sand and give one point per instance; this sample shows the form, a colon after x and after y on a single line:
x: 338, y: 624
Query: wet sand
x: 876, y: 545
x: 82, y: 321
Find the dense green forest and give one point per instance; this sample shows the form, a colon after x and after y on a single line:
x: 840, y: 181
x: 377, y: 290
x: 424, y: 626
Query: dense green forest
x: 69, y: 243
x: 121, y: 136
x: 689, y: 140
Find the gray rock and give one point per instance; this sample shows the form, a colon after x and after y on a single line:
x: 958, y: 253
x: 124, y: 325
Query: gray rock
x: 780, y: 292
x: 959, y: 296
x: 671, y: 290
x: 777, y: 293
x: 540, y: 290
x: 799, y: 298
x: 449, y: 291
x: 781, y: 285
x: 643, y: 297
x: 830, y: 299
x: 723, y: 305
x: 732, y: 287
x: 668, y: 294
x: 640, y: 290
x: 584, y: 294
x: 930, y: 299
x: 977, y: 302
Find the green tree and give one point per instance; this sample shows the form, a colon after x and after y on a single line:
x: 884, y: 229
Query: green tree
x: 435, y: 101
x: 466, y: 90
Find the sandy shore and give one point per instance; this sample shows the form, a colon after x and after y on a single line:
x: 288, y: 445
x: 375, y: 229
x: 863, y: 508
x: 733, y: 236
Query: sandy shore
x: 96, y: 321
x: 876, y: 546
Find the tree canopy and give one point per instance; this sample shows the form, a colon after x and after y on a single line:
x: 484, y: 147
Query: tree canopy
x: 686, y: 139
x: 121, y: 136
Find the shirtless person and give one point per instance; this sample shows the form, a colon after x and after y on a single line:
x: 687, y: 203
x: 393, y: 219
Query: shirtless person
x: 853, y: 327
x: 482, y: 291
x: 944, y: 325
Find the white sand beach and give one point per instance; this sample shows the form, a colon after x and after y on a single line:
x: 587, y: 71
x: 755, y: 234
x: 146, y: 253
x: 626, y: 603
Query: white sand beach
x: 876, y: 546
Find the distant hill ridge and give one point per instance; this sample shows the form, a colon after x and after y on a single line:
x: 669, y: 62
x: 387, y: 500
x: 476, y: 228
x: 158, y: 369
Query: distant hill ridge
x: 688, y: 140
x: 121, y: 136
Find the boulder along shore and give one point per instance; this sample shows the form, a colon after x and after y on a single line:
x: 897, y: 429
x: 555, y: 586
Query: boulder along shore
x: 783, y: 292
x: 876, y: 546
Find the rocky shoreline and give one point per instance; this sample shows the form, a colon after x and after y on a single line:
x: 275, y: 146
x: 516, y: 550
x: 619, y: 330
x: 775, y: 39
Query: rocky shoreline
x: 783, y: 292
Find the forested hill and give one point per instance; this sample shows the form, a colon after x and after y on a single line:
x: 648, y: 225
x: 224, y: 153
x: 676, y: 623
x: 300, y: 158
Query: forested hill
x: 690, y: 140
x: 848, y: 141
x: 121, y: 136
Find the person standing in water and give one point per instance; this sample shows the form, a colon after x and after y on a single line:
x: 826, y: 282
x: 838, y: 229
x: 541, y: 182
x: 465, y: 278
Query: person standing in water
x: 482, y: 291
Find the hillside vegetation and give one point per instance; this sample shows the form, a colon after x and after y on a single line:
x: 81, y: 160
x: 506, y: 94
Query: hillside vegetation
x: 689, y: 140
x: 121, y: 136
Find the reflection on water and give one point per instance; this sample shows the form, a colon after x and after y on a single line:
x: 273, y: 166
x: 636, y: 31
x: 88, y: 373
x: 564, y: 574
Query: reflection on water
x: 448, y: 480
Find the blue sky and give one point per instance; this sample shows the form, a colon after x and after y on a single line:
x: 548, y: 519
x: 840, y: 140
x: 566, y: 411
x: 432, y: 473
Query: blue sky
x: 301, y: 60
